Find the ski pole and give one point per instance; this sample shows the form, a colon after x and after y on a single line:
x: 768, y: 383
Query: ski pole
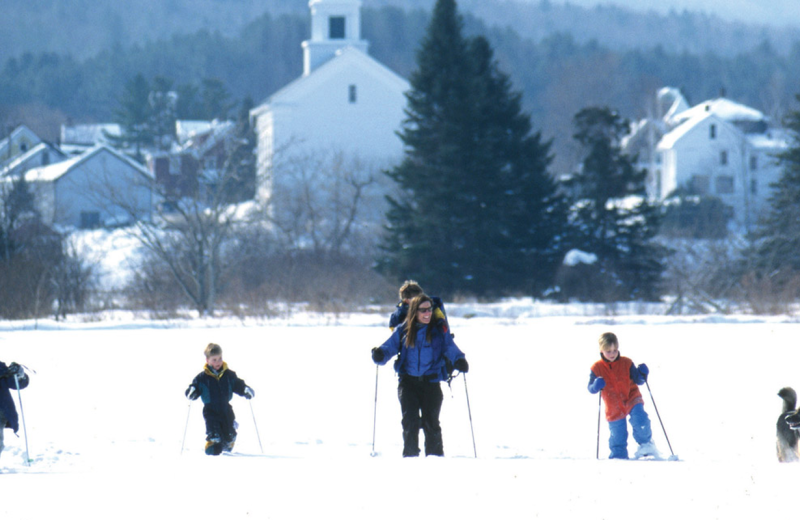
x: 659, y: 416
x: 24, y: 428
x: 469, y: 409
x: 256, y: 425
x: 186, y: 427
x: 375, y: 412
x: 599, y: 406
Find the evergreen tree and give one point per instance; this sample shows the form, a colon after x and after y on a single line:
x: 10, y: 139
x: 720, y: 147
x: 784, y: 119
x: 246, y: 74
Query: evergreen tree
x: 778, y: 237
x: 133, y: 115
x: 147, y: 112
x: 215, y: 99
x: 478, y: 213
x: 610, y: 217
x: 162, y: 102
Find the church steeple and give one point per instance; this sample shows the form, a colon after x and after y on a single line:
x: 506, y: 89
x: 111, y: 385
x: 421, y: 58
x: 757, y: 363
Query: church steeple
x: 335, y: 24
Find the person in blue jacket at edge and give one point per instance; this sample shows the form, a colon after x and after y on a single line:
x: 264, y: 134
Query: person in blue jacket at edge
x: 423, y: 346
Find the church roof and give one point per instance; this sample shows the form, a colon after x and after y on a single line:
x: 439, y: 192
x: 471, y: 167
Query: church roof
x: 346, y: 58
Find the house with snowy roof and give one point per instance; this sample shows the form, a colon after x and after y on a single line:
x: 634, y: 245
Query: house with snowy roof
x: 197, y: 159
x: 41, y: 154
x: 718, y: 148
x: 100, y: 187
x: 19, y: 141
x: 76, y: 139
x: 345, y: 101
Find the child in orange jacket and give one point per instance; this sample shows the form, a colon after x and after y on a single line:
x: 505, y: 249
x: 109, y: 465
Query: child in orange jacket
x: 617, y: 377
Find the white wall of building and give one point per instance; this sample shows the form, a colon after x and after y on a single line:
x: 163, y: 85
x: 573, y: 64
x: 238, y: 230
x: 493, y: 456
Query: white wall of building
x: 101, y: 185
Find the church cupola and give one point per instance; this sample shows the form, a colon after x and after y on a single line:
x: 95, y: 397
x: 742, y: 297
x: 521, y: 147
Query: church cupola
x: 335, y: 24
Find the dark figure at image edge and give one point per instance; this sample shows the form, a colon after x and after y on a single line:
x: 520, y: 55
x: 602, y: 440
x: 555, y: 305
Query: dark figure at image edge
x: 8, y: 410
x: 786, y: 435
x: 423, y: 346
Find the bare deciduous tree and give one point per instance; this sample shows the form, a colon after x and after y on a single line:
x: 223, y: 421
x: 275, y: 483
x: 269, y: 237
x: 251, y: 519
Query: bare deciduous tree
x: 326, y: 202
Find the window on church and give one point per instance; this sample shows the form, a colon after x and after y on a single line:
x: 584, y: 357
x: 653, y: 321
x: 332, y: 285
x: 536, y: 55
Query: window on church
x: 712, y: 132
x: 723, y: 157
x: 352, y: 94
x: 753, y: 162
x: 336, y: 27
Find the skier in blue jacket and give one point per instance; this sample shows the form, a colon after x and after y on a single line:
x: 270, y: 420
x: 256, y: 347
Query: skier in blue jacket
x: 8, y: 411
x: 423, y: 346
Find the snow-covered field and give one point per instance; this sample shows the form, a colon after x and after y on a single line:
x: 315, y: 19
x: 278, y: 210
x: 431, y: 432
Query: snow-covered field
x: 105, y: 416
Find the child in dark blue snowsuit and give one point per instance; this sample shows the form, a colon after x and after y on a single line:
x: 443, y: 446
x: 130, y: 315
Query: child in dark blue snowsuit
x: 8, y: 411
x: 215, y: 385
x: 423, y: 353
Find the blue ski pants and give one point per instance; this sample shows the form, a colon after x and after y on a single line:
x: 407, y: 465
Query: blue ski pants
x: 640, y: 424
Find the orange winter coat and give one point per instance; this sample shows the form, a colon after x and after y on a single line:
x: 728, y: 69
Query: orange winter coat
x: 621, y: 392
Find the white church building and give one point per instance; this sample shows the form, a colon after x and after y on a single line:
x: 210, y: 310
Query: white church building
x: 345, y: 102
x: 718, y: 148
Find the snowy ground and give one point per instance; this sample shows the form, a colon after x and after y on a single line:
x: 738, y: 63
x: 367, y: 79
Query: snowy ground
x: 105, y: 417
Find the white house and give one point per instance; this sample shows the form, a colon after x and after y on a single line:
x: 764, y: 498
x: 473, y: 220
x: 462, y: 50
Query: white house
x: 19, y: 141
x: 41, y: 154
x: 99, y: 187
x: 718, y: 147
x: 345, y: 101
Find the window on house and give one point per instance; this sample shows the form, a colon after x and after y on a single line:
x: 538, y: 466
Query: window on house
x: 352, y: 94
x: 723, y: 157
x: 45, y: 158
x: 724, y: 184
x: 700, y: 184
x: 753, y: 162
x: 336, y: 27
x: 712, y: 132
x: 754, y: 187
x: 90, y: 219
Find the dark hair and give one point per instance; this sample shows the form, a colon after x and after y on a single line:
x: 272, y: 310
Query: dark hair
x: 412, y: 324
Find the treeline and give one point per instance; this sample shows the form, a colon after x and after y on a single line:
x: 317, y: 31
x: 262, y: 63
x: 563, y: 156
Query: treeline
x: 557, y: 76
x: 80, y: 29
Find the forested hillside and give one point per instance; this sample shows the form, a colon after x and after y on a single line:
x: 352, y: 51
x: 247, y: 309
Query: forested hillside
x: 558, y: 75
x: 82, y: 28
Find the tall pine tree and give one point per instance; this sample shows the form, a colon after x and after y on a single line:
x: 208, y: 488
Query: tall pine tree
x: 778, y: 237
x: 610, y: 216
x: 478, y: 212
